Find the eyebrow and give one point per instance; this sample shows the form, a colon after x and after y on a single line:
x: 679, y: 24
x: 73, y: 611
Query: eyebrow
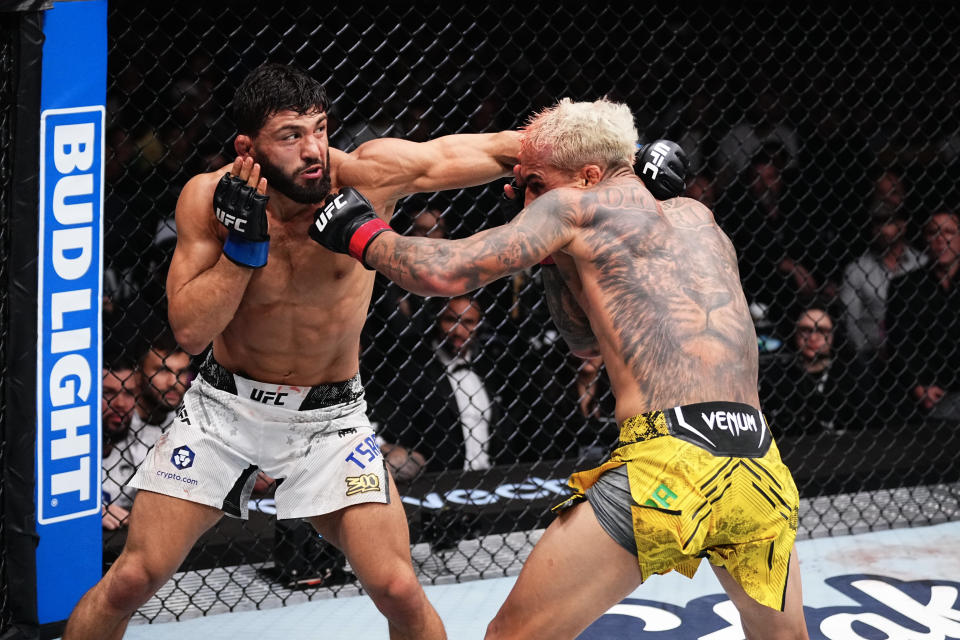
x: 296, y: 127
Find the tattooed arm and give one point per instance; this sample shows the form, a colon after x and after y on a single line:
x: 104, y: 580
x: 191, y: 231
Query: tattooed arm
x: 430, y: 267
x: 568, y: 316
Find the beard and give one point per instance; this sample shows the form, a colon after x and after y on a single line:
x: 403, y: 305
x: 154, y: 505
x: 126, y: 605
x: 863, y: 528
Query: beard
x: 314, y: 192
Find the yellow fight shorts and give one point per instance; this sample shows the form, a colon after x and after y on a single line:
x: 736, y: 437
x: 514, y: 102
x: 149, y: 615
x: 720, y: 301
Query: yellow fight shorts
x: 701, y: 481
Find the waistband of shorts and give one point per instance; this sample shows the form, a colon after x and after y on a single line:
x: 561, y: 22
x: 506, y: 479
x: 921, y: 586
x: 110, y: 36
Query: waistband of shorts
x: 663, y: 422
x: 316, y: 397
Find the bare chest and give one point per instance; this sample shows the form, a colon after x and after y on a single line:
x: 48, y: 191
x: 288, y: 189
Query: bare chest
x: 300, y: 272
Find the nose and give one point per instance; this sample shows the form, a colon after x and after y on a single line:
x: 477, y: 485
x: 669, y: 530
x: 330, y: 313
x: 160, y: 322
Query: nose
x: 310, y: 148
x: 163, y: 381
x: 461, y: 331
x: 124, y: 404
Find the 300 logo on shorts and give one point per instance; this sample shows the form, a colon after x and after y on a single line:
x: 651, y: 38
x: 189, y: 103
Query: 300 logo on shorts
x: 362, y: 484
x: 182, y: 457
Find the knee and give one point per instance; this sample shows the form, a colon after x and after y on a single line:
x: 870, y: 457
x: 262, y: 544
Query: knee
x: 129, y: 584
x: 397, y: 596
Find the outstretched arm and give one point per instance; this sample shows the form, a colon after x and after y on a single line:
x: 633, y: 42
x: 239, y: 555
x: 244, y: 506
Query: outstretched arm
x: 451, y: 267
x: 387, y: 169
x: 429, y: 267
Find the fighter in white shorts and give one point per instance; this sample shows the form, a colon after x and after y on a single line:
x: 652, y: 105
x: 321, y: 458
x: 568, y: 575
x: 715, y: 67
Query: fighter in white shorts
x: 280, y: 309
x: 317, y: 439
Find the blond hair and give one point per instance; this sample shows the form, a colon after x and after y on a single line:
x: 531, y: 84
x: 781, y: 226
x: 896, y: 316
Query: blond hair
x: 571, y: 134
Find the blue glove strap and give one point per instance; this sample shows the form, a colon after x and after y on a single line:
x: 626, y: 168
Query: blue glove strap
x: 247, y: 253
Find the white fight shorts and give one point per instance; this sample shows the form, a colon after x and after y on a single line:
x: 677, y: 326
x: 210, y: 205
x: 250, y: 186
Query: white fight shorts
x: 318, y: 440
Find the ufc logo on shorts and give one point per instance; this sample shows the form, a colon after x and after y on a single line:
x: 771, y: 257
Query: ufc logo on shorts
x: 658, y: 151
x: 362, y: 484
x: 267, y: 397
x: 327, y: 213
x: 230, y: 220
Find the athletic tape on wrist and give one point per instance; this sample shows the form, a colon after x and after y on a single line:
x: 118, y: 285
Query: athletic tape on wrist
x: 247, y: 253
x: 362, y: 237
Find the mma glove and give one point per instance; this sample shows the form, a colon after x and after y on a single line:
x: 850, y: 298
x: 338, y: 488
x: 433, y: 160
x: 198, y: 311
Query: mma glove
x: 347, y: 223
x: 663, y: 168
x: 243, y: 211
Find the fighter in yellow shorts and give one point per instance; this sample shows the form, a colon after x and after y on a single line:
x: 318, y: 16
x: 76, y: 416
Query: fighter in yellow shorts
x: 649, y: 282
x: 699, y: 481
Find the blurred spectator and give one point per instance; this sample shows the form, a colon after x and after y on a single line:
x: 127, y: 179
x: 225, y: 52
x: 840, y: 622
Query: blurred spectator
x: 889, y: 196
x: 148, y: 400
x: 866, y: 279
x: 457, y: 397
x: 395, y: 313
x: 764, y: 125
x: 165, y: 376
x: 923, y: 322
x: 774, y: 245
x: 690, y: 119
x: 445, y: 406
x: 817, y: 386
x: 120, y: 391
x: 428, y: 223
x: 594, y: 429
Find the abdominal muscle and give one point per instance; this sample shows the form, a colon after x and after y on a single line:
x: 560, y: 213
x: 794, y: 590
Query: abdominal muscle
x: 301, y: 338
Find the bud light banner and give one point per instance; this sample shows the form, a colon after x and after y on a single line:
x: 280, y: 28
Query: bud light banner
x: 73, y: 90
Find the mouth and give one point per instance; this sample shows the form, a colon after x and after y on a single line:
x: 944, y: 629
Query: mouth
x: 313, y: 172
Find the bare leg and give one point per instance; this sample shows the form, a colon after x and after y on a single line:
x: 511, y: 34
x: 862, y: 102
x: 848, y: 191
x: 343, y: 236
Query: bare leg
x: 162, y: 532
x: 557, y: 594
x: 760, y: 622
x: 376, y: 540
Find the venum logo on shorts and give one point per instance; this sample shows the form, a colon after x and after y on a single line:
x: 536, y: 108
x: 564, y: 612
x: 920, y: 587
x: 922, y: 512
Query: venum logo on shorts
x: 362, y: 484
x: 732, y: 421
x: 182, y: 457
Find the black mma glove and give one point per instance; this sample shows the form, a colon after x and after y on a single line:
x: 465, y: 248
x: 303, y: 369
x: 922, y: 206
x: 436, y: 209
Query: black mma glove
x: 347, y: 223
x: 243, y: 211
x: 662, y: 166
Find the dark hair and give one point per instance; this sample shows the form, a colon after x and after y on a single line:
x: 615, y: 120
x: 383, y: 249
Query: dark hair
x: 117, y: 355
x: 271, y: 88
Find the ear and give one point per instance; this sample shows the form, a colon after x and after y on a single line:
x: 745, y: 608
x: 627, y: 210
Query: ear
x: 243, y: 145
x: 590, y: 175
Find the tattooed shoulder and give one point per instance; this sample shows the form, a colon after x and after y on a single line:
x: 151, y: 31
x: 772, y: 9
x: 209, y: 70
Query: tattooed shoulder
x: 687, y: 213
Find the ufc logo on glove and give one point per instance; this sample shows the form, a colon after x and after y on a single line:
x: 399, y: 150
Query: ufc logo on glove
x: 658, y: 151
x: 324, y: 216
x: 231, y: 221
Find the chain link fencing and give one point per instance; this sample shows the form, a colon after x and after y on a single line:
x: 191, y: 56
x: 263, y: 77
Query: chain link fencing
x: 823, y: 139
